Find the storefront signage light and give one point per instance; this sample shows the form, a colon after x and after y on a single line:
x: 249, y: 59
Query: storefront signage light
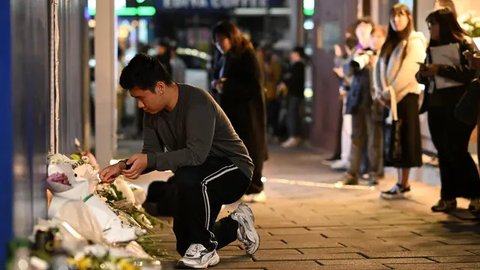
x: 131, y: 11
x: 171, y: 4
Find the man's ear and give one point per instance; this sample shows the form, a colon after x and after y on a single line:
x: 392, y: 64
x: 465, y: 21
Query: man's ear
x: 160, y: 88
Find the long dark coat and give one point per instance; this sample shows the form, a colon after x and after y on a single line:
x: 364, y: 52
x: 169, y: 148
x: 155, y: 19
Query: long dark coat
x: 243, y: 101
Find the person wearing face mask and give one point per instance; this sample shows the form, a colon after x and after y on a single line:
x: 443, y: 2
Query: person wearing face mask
x: 395, y: 84
x: 458, y: 173
x: 239, y: 82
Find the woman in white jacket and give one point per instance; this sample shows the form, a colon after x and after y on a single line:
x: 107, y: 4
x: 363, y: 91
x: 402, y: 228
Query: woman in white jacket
x: 395, y: 84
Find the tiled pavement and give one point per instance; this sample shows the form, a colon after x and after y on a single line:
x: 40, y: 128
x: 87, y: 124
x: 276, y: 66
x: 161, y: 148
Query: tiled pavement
x: 308, y: 223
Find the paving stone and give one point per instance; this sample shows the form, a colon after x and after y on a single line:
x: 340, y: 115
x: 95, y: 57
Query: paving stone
x: 170, y: 265
x: 286, y: 231
x: 377, y: 261
x: 411, y: 254
x: 304, y: 257
x: 356, y: 267
x: 459, y: 240
x: 321, y: 251
x: 305, y: 227
x: 272, y: 265
x: 475, y: 251
x: 278, y: 252
x: 337, y: 232
x: 370, y: 245
x: 436, y: 266
x: 275, y: 224
x: 454, y: 259
x: 232, y: 250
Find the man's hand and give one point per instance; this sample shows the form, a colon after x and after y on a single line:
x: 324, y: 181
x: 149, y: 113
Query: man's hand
x: 138, y: 164
x: 108, y: 174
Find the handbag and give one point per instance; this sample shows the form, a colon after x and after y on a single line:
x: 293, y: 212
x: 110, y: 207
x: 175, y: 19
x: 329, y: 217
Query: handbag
x: 393, y: 142
x: 393, y: 135
x: 466, y: 109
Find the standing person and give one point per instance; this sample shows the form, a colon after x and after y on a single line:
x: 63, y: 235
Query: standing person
x: 294, y: 84
x: 367, y: 114
x: 178, y: 66
x: 272, y: 71
x: 239, y: 82
x: 187, y: 132
x: 163, y: 54
x: 394, y: 79
x: 458, y: 172
x: 340, y: 158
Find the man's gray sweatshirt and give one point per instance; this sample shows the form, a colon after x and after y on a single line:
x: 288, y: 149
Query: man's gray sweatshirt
x: 195, y: 129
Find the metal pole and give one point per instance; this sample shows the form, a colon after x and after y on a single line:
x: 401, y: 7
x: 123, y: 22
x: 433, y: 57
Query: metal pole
x: 105, y: 81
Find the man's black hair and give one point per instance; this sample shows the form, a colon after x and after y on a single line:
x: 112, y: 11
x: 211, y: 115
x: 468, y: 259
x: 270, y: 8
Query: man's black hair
x: 300, y: 50
x: 144, y: 71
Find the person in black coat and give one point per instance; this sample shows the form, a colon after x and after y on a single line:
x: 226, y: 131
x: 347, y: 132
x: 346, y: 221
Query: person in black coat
x: 458, y: 173
x: 294, y: 84
x: 239, y: 83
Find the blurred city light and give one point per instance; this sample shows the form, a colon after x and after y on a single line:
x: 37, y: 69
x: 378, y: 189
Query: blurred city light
x: 308, y: 24
x: 308, y: 92
x: 308, y: 7
x: 127, y: 11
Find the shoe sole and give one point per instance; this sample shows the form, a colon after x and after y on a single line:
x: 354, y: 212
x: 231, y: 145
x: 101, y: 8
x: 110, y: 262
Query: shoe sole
x: 444, y: 210
x: 252, y: 235
x: 394, y: 197
x: 212, y: 262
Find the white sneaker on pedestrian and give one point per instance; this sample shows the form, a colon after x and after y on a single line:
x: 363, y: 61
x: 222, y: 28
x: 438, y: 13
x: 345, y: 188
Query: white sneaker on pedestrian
x: 396, y: 192
x: 197, y: 256
x: 246, y: 232
x: 291, y: 142
x: 340, y: 165
x: 260, y: 197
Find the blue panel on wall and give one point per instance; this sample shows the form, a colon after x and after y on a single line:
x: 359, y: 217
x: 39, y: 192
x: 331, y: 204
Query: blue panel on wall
x: 6, y: 138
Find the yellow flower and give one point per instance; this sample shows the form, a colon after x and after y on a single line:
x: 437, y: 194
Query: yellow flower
x: 84, y: 263
x: 125, y: 265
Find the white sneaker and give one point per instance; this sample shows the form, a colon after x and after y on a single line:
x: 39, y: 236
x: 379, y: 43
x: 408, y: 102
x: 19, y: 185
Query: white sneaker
x: 197, y: 256
x: 291, y: 142
x: 246, y: 232
x: 255, y: 197
x: 396, y: 192
x: 340, y: 165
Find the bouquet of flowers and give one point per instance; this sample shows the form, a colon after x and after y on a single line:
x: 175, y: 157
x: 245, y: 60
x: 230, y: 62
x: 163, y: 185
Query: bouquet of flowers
x: 126, y: 200
x: 116, y: 207
x: 75, y: 180
x: 58, y: 182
